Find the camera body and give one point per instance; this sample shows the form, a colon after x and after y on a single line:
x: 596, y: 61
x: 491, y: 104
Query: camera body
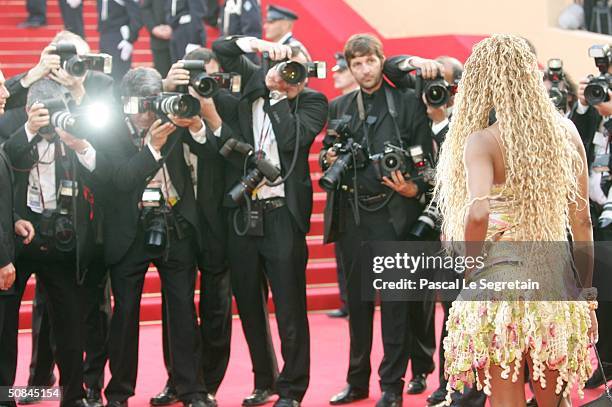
x: 154, y: 214
x: 294, y: 72
x: 208, y: 85
x: 437, y: 91
x: 177, y: 104
x: 258, y: 168
x: 351, y: 155
x: 56, y: 224
x: 596, y: 91
x: 554, y: 73
x: 78, y: 65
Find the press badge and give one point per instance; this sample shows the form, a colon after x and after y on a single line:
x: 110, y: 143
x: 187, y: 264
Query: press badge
x: 34, y: 201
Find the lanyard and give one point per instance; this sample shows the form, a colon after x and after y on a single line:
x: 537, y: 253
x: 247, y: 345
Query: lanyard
x: 263, y: 136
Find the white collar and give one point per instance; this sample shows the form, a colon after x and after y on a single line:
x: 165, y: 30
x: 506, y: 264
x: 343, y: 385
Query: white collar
x: 285, y: 37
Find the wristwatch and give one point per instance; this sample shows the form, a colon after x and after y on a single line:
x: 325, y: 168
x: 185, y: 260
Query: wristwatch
x: 277, y: 95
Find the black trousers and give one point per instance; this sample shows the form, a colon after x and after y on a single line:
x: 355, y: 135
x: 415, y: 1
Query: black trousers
x: 279, y: 257
x: 215, y: 309
x: 73, y: 18
x: 108, y: 44
x: 8, y: 341
x: 341, y: 274
x: 407, y: 327
x: 43, y: 341
x: 37, y: 10
x: 162, y: 60
x: 59, y: 280
x: 177, y: 273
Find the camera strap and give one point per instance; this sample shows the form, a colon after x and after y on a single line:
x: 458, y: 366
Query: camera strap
x: 393, y: 114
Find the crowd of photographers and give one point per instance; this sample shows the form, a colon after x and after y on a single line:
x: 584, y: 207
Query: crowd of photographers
x: 202, y: 166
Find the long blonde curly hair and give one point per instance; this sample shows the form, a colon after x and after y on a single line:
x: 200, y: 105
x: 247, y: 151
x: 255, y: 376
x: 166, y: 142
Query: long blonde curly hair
x: 542, y: 163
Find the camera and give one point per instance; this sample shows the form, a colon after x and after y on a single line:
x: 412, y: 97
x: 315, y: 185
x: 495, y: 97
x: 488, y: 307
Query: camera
x: 56, y: 224
x: 78, y: 65
x: 153, y: 215
x: 208, y: 85
x: 78, y: 121
x: 350, y: 154
x: 257, y: 165
x: 428, y: 223
x: 596, y: 91
x: 177, y: 104
x: 554, y: 73
x: 58, y: 109
x: 392, y: 159
x: 294, y: 72
x: 437, y: 91
x: 422, y: 165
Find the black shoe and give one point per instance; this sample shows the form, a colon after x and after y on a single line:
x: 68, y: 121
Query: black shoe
x: 87, y: 403
x: 117, y: 404
x: 32, y: 24
x: 597, y: 379
x: 349, y: 395
x: 164, y: 398
x: 437, y: 396
x: 285, y: 402
x: 338, y: 313
x: 418, y: 384
x: 94, y: 397
x: 532, y: 402
x: 258, y: 397
x: 196, y: 403
x: 210, y: 400
x: 389, y: 399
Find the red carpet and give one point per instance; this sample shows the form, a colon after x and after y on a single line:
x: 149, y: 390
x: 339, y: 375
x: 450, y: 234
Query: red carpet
x: 329, y: 351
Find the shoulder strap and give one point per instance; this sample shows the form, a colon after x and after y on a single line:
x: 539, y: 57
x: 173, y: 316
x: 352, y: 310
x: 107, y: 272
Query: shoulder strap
x: 393, y: 114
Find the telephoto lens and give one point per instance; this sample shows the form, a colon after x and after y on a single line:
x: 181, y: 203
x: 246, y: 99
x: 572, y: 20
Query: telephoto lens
x: 332, y: 177
x: 205, y: 85
x: 179, y: 105
x: 75, y: 66
x: 292, y: 72
x: 437, y: 93
x: 64, y: 120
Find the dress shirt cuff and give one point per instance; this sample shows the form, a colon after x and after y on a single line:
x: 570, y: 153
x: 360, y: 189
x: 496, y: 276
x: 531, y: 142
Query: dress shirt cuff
x: 275, y: 101
x: 217, y: 133
x: 29, y: 135
x: 581, y: 109
x: 244, y: 43
x: 437, y: 127
x: 156, y: 154
x: 87, y: 158
x: 200, y: 136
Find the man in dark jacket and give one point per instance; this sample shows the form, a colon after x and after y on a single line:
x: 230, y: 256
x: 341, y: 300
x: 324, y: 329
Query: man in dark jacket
x: 280, y: 121
x: 154, y: 18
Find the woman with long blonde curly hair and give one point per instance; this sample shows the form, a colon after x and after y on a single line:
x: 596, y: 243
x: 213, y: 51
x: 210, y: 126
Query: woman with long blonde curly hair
x: 522, y: 179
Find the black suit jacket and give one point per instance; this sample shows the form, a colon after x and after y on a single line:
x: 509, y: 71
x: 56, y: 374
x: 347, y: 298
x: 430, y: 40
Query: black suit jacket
x: 414, y: 130
x: 23, y: 155
x: 587, y: 124
x: 153, y: 14
x: 7, y: 216
x: 124, y: 169
x: 309, y: 108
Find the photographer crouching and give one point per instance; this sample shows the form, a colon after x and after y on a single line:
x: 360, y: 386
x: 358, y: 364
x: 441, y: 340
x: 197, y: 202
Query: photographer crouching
x: 276, y: 120
x: 591, y: 115
x: 372, y: 198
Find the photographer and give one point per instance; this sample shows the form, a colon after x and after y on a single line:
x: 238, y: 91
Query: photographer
x: 561, y: 89
x: 50, y: 190
x: 280, y: 121
x: 153, y: 218
x: 215, y: 306
x: 592, y: 119
x: 10, y: 227
x: 376, y: 206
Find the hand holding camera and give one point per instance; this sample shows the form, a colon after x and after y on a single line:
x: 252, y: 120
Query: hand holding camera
x: 159, y: 133
x: 274, y: 82
x: 73, y: 83
x: 276, y: 51
x: 430, y: 69
x: 38, y: 117
x: 177, y: 76
x: 49, y: 61
x: 399, y: 184
x: 194, y: 123
x: 78, y: 145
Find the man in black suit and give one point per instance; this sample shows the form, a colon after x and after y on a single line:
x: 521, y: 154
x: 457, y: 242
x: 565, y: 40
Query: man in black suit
x: 46, y: 163
x: 154, y: 18
x: 118, y: 25
x: 215, y: 305
x: 147, y: 170
x: 378, y: 113
x: 281, y: 121
x: 10, y: 225
x: 186, y: 18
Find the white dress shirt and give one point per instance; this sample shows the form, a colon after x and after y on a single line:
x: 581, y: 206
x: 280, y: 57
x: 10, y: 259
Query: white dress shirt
x: 42, y: 188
